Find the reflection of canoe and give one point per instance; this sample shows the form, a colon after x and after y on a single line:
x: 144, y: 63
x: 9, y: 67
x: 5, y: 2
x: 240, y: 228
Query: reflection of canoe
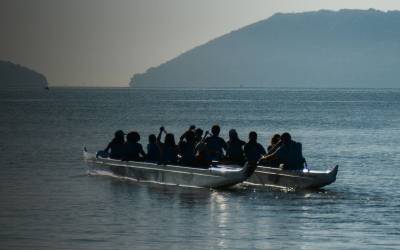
x: 213, y: 177
x: 274, y: 177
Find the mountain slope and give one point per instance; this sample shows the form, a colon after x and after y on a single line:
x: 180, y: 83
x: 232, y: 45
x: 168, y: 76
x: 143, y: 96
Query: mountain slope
x: 347, y: 48
x: 16, y: 76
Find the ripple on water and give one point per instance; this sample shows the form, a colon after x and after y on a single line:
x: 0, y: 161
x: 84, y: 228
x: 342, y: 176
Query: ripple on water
x: 48, y: 202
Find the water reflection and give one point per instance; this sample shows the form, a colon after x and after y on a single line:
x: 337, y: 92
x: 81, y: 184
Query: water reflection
x: 219, y: 211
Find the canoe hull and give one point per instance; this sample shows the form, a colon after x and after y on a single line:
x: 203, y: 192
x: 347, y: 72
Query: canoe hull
x: 274, y: 177
x: 215, y: 177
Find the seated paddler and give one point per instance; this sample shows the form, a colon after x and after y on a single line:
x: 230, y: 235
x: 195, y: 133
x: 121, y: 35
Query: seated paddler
x: 168, y: 148
x: 288, y: 154
x: 153, y: 152
x: 253, y: 150
x: 116, y: 148
x: 215, y: 144
x: 234, y: 150
x: 275, y: 143
x: 187, y: 148
x: 133, y: 149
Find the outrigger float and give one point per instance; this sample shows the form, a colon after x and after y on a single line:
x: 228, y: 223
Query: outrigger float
x: 217, y: 176
x: 303, y: 179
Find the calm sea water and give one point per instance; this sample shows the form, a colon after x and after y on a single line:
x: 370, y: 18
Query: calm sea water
x: 47, y: 201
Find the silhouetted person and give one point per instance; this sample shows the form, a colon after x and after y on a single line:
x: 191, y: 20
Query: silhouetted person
x: 133, y: 149
x: 187, y: 149
x: 192, y: 128
x: 198, y: 135
x: 203, y: 159
x: 275, y: 139
x: 274, y: 144
x: 289, y: 153
x: 253, y: 150
x: 168, y: 149
x: 116, y: 147
x: 234, y: 149
x: 153, y: 152
x: 215, y: 144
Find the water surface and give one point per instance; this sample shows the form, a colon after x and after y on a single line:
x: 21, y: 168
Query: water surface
x: 49, y: 202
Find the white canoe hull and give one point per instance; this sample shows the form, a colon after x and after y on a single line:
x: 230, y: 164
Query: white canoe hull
x: 275, y: 177
x: 214, y: 177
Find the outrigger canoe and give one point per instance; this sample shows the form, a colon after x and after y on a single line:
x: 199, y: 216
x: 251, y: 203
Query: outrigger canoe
x: 214, y: 177
x: 305, y: 179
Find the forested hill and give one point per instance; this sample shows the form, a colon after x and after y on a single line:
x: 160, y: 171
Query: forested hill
x: 14, y: 75
x: 346, y: 48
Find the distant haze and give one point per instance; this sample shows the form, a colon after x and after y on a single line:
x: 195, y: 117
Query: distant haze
x: 102, y: 43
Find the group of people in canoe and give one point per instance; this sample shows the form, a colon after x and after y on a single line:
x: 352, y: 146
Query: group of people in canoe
x: 198, y: 150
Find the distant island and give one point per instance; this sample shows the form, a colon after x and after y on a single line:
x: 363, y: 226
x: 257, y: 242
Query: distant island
x: 15, y: 75
x: 346, y: 48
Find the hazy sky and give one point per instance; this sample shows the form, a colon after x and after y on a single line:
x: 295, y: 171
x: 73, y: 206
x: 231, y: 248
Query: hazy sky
x: 103, y: 42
